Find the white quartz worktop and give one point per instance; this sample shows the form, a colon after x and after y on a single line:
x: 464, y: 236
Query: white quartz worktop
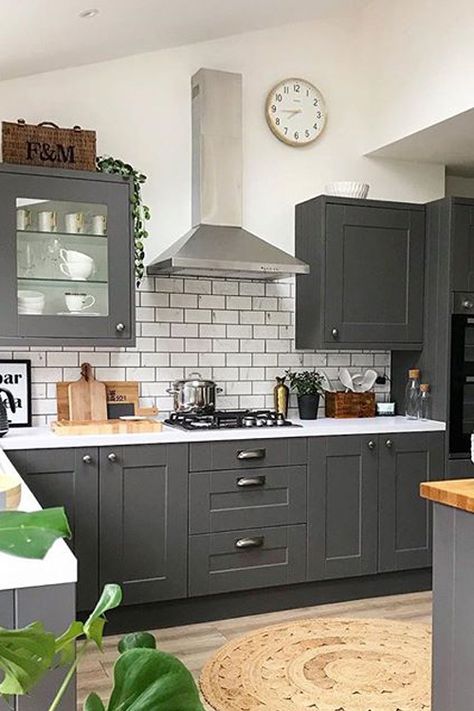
x: 58, y: 566
x: 44, y: 438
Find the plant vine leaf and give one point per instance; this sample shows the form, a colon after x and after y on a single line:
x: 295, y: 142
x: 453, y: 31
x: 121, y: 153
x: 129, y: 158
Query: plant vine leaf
x: 25, y: 657
x: 94, y: 626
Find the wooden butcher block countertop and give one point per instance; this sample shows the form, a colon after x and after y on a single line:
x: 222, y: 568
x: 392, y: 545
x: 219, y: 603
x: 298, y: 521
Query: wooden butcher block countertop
x: 458, y: 493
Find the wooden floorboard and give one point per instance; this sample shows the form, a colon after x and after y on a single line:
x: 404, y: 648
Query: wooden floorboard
x: 194, y: 644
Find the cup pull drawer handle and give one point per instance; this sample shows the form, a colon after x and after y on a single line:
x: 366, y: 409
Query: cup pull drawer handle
x: 244, y: 543
x: 251, y: 454
x: 251, y: 481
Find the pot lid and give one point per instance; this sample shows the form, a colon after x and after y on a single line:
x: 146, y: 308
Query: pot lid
x: 194, y: 379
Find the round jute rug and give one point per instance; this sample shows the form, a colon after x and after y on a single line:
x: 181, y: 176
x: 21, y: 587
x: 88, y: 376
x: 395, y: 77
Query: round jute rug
x: 323, y: 665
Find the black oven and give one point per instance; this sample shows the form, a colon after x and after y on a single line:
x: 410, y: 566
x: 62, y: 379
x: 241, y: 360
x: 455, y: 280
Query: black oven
x: 461, y: 421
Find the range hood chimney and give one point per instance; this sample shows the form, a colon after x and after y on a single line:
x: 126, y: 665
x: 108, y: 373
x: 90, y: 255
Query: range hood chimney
x: 217, y: 245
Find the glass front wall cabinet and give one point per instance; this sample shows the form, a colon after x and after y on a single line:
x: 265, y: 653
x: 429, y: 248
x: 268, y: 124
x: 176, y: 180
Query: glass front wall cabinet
x: 67, y: 258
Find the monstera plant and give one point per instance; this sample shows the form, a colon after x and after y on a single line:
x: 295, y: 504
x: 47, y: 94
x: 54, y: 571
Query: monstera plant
x: 145, y: 679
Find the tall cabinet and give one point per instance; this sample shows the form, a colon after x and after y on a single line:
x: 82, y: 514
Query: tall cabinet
x: 67, y: 258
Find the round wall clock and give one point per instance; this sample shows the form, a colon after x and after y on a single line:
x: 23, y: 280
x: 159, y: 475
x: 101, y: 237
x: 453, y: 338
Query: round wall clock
x: 295, y: 111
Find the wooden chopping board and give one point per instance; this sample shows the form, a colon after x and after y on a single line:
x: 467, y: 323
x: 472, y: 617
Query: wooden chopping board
x: 87, y: 397
x: 118, y: 393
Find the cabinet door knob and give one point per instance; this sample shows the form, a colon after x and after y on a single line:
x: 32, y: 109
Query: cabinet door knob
x: 256, y: 542
x: 335, y: 333
x: 87, y: 459
x: 112, y: 457
x: 389, y: 444
x: 120, y: 327
x: 467, y: 304
x: 371, y: 444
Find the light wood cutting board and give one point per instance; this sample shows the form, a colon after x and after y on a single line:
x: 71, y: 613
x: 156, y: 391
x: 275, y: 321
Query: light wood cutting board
x: 118, y: 392
x: 87, y: 397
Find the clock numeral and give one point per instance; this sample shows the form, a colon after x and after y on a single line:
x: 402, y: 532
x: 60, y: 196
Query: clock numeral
x: 278, y: 97
x: 296, y: 88
x: 315, y: 126
x: 296, y: 135
x: 315, y: 102
x: 318, y: 114
x: 274, y: 108
x: 307, y: 92
x: 285, y: 130
x: 286, y: 89
x: 277, y: 121
x: 307, y: 133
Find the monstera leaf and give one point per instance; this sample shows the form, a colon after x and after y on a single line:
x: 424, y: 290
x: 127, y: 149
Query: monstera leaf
x: 146, y: 679
x: 25, y: 656
x: 31, y: 535
x: 94, y: 626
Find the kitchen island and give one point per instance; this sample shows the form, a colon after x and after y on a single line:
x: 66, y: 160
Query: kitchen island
x: 41, y: 590
x: 453, y: 586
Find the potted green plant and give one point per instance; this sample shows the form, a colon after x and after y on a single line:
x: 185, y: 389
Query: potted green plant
x: 144, y: 676
x: 308, y: 385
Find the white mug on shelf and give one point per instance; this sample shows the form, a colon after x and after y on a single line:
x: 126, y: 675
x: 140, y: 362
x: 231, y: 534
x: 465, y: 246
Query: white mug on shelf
x: 75, y: 222
x: 23, y: 219
x: 99, y: 224
x: 47, y: 221
x: 76, y: 265
x: 76, y: 301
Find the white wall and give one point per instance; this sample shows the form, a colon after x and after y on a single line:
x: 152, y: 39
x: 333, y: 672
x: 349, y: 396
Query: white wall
x: 420, y: 57
x: 459, y: 186
x: 140, y: 107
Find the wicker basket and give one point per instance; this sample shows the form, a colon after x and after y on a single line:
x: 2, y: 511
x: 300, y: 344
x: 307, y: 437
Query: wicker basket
x: 342, y: 404
x: 48, y: 145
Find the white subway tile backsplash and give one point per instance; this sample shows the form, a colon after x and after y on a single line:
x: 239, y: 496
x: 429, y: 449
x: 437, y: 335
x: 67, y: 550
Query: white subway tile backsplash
x: 240, y: 334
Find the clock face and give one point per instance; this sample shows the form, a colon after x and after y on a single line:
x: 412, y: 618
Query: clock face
x: 295, y: 111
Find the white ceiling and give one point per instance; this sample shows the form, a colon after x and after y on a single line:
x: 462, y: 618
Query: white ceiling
x: 41, y: 35
x: 449, y: 142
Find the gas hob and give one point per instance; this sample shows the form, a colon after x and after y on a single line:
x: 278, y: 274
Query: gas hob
x: 228, y: 419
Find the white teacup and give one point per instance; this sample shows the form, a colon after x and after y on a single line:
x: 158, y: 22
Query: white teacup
x: 76, y: 301
x: 70, y: 255
x: 77, y: 270
x: 75, y: 222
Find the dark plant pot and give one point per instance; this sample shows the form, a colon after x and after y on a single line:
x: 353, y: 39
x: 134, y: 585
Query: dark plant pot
x: 308, y: 406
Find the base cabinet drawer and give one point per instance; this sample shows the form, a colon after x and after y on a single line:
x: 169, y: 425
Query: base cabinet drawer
x: 247, y: 454
x: 242, y: 560
x: 231, y: 500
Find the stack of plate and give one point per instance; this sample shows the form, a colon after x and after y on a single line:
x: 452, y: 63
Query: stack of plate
x: 30, y: 302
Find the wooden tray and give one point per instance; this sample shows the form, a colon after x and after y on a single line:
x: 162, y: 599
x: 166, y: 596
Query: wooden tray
x: 120, y: 394
x: 341, y: 404
x: 86, y: 427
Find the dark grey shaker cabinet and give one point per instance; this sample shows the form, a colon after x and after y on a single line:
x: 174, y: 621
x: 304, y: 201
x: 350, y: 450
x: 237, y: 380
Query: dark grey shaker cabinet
x: 76, y: 187
x: 406, y: 460
x: 143, y: 521
x: 462, y: 267
x: 231, y: 500
x: 217, y: 564
x: 342, y: 506
x: 69, y: 478
x: 245, y: 454
x: 365, y: 287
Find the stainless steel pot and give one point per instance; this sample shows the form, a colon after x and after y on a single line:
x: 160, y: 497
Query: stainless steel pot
x: 194, y: 394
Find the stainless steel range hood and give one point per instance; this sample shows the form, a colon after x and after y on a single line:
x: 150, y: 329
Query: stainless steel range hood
x: 218, y: 245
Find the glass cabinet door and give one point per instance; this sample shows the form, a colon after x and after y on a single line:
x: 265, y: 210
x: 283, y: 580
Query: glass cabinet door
x: 72, y: 246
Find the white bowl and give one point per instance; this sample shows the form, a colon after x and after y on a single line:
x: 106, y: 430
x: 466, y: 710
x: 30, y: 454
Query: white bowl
x: 29, y: 296
x: 347, y: 188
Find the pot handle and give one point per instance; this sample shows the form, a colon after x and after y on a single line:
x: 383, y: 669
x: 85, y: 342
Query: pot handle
x: 195, y: 373
x: 171, y: 391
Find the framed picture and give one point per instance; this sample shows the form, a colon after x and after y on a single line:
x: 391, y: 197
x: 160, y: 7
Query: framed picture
x: 15, y: 376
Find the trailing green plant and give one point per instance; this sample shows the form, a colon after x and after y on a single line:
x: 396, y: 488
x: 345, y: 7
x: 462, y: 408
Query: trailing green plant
x: 140, y: 212
x: 306, y: 382
x: 145, y: 679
